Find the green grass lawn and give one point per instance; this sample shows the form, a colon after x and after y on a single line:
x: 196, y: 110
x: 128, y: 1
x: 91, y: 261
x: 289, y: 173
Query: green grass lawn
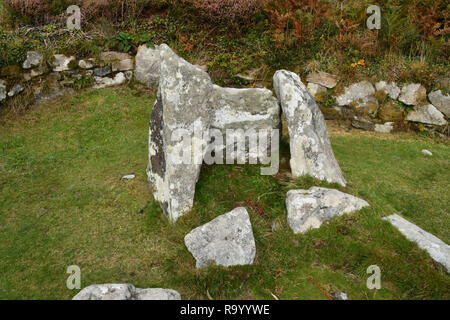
x: 62, y: 203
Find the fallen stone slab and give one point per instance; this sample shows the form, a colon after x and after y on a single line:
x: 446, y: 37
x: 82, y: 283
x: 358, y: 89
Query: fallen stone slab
x: 311, y: 152
x: 125, y: 292
x: 413, y: 94
x: 359, y: 93
x: 322, y: 78
x: 438, y: 250
x: 427, y: 114
x: 308, y: 209
x: 226, y: 241
x: 440, y: 101
x: 147, y: 68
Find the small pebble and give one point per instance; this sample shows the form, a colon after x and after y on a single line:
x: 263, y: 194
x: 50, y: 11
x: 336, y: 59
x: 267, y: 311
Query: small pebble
x: 129, y: 177
x: 341, y: 296
x: 427, y: 152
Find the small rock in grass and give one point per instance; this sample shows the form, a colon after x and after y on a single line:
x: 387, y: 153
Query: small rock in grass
x: 340, y: 296
x: 129, y: 177
x: 427, y: 152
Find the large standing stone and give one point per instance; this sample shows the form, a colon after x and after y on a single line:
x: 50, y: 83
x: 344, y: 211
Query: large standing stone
x: 125, y: 292
x: 322, y: 78
x: 308, y: 209
x: 2, y: 90
x: 436, y: 248
x: 413, y: 94
x: 182, y: 103
x: 33, y: 60
x: 441, y: 102
x: 427, y: 114
x: 226, y: 241
x: 391, y: 89
x: 147, y: 68
x: 311, y: 151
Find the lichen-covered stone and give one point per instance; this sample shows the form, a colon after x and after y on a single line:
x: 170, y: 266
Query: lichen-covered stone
x: 440, y: 101
x: 34, y: 59
x: 125, y: 292
x: 316, y: 89
x: 62, y: 63
x: 311, y: 152
x: 308, y: 209
x: 226, y: 241
x: 387, y: 127
x: 391, y: 89
x: 413, y: 94
x: 103, y: 82
x: 427, y: 114
x: 358, y: 93
x: 148, y: 66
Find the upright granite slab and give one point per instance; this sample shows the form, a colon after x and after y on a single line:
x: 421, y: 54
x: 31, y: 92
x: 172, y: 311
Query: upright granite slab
x: 438, y: 250
x: 187, y: 100
x: 310, y: 146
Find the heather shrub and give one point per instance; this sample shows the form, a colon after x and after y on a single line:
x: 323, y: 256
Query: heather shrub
x: 220, y: 11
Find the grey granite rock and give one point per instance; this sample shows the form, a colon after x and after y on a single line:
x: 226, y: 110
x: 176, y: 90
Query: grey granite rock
x: 358, y: 93
x: 147, y: 68
x: 315, y: 89
x: 103, y: 82
x: 438, y: 250
x: 34, y: 59
x: 61, y: 62
x: 226, y: 241
x: 125, y: 292
x: 427, y: 114
x: 308, y: 209
x: 440, y: 101
x: 311, y: 152
x: 413, y: 94
x: 102, y: 72
x: 387, y: 127
x: 391, y: 89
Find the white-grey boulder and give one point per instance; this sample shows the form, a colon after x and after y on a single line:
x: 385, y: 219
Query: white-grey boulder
x: 322, y: 78
x: 61, y: 62
x: 440, y: 101
x: 103, y: 82
x: 226, y: 241
x: 34, y: 59
x: 391, y: 89
x: 311, y: 152
x: 308, y: 209
x: 427, y: 114
x: 147, y: 68
x: 359, y: 93
x: 438, y: 250
x: 413, y: 94
x: 387, y: 127
x: 125, y: 292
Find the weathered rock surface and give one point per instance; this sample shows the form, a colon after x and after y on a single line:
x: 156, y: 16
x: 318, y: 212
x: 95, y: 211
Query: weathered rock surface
x: 36, y: 72
x: 384, y: 128
x: 102, y: 72
x: 251, y: 108
x: 358, y: 93
x: 2, y: 90
x: 438, y: 250
x: 101, y: 82
x: 412, y: 94
x: 125, y: 292
x: 440, y: 101
x: 427, y: 114
x: 111, y: 56
x: 322, y: 78
x: 310, y: 146
x: 308, y: 209
x: 34, y: 59
x: 427, y: 152
x: 148, y: 66
x: 61, y: 62
x: 86, y: 64
x: 315, y: 89
x: 363, y: 124
x: 182, y: 103
x: 123, y: 65
x: 391, y: 89
x: 226, y: 241
x: 188, y: 100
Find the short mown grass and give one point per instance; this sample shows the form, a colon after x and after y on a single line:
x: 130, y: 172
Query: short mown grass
x: 62, y: 203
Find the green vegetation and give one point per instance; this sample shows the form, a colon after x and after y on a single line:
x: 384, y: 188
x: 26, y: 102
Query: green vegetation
x: 62, y: 202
